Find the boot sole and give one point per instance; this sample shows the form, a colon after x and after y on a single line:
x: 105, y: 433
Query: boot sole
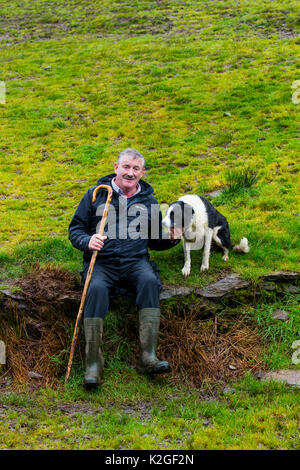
x: 154, y: 371
x: 91, y: 385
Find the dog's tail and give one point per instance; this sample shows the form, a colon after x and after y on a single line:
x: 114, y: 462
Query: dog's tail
x: 243, y: 247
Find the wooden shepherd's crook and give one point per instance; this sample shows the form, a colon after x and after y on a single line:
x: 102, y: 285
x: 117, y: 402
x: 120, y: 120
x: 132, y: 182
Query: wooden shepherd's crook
x: 89, y: 275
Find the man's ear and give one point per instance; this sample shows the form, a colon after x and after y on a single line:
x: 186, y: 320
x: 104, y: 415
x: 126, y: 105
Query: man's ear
x: 116, y: 166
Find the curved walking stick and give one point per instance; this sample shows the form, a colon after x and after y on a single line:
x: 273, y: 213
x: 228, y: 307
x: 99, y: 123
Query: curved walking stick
x: 89, y: 275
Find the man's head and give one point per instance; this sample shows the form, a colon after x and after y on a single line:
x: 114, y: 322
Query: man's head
x: 129, y: 169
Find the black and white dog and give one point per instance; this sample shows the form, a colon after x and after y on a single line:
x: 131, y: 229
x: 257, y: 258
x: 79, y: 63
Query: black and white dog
x: 201, y: 223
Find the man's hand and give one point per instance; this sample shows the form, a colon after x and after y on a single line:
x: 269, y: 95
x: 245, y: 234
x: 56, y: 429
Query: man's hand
x: 96, y: 242
x: 175, y: 233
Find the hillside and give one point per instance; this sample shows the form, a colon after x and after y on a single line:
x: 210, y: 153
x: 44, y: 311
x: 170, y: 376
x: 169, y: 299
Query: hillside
x: 208, y: 91
x: 84, y: 80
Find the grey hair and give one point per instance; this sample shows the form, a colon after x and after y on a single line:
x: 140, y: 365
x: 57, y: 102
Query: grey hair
x: 133, y: 154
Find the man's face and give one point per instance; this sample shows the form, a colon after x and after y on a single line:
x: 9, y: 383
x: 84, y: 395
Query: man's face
x: 129, y: 173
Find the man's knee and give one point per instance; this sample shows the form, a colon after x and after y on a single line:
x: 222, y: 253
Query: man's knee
x: 147, y: 279
x: 97, y: 289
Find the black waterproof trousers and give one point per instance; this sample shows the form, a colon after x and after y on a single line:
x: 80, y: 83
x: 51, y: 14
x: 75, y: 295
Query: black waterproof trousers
x: 135, y: 274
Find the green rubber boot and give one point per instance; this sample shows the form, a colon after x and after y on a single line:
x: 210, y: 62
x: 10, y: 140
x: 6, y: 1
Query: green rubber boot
x: 93, y: 329
x: 149, y: 319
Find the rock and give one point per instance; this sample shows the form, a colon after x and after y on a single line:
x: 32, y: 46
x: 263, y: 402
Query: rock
x: 229, y: 390
x: 231, y: 367
x: 227, y: 114
x: 224, y: 286
x: 214, y: 193
x: 292, y: 289
x: 35, y: 375
x: 296, y: 353
x: 48, y: 67
x: 188, y: 188
x: 288, y: 376
x: 280, y: 315
x: 9, y: 294
x: 4, y: 383
x: 282, y: 276
x: 268, y: 287
x: 172, y: 291
x: 207, y: 423
x: 259, y: 374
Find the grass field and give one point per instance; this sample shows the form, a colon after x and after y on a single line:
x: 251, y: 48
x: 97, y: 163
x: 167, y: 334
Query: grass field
x: 132, y: 412
x: 86, y: 79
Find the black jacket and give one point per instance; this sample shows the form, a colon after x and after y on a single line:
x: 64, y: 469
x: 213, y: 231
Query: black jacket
x: 142, y: 210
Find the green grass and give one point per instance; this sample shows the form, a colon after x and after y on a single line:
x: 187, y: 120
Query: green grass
x: 158, y: 78
x: 132, y: 412
x: 278, y: 335
x: 87, y: 79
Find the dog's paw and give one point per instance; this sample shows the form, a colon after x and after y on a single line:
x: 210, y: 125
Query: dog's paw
x: 186, y: 271
x: 225, y: 257
x: 204, y: 267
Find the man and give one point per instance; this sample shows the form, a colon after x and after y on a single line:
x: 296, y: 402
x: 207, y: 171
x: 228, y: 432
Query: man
x: 134, y: 225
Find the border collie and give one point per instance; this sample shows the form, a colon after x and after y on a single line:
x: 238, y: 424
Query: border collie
x: 201, y: 223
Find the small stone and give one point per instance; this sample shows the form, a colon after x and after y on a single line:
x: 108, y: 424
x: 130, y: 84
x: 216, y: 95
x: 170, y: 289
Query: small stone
x: 227, y: 114
x: 280, y: 315
x: 260, y: 138
x: 35, y: 375
x: 214, y: 193
x: 231, y: 367
x: 268, y: 287
x: 188, y: 188
x: 229, y: 390
x: 48, y: 67
x: 292, y: 289
x: 208, y: 423
x: 259, y: 374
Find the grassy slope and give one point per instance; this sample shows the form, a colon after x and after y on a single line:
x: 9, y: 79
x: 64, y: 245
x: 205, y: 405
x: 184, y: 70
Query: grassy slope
x: 157, y: 76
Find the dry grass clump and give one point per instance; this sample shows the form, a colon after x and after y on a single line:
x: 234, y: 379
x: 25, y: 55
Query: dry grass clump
x: 43, y: 356
x: 42, y: 285
x: 212, y: 350
x: 37, y: 330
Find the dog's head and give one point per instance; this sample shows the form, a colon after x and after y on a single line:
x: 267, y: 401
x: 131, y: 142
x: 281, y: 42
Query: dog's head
x: 179, y: 215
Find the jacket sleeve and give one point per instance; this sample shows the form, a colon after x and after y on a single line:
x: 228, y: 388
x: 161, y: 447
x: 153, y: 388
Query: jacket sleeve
x: 79, y: 226
x: 158, y: 240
